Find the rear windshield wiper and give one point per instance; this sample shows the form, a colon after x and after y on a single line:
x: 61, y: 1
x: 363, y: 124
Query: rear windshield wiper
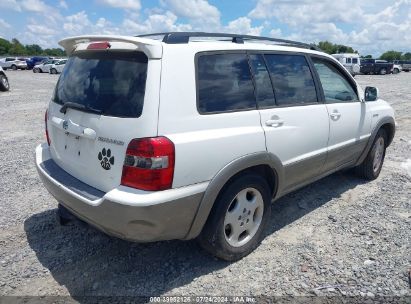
x: 78, y: 106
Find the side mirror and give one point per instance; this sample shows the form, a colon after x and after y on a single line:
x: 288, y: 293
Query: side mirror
x: 371, y: 94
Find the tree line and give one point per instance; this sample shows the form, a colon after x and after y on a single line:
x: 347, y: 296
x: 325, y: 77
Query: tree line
x: 331, y: 48
x: 14, y: 47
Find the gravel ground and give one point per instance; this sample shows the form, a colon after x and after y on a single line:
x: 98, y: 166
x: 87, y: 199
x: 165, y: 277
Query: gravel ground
x: 338, y: 236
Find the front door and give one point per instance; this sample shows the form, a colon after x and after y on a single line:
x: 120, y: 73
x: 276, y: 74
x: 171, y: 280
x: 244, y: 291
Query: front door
x: 350, y: 123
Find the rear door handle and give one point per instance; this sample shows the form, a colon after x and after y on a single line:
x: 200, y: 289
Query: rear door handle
x: 274, y: 123
x: 335, y: 115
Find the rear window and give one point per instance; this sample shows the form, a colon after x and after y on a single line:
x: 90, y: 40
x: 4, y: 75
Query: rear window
x: 111, y: 82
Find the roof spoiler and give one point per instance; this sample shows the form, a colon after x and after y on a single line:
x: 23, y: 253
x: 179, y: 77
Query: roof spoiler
x: 152, y: 48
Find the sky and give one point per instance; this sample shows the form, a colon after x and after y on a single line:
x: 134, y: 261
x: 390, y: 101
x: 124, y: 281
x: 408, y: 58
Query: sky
x: 369, y: 26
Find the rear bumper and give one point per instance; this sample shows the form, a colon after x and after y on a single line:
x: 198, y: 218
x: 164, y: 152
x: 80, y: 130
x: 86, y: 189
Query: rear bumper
x: 123, y: 212
x: 21, y: 65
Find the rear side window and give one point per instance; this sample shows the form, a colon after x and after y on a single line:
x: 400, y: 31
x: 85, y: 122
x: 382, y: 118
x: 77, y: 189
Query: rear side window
x: 111, y: 82
x: 355, y: 60
x: 224, y: 83
x: 292, y: 79
x: 335, y: 86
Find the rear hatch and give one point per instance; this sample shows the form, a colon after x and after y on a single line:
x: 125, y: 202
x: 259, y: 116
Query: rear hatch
x: 103, y: 99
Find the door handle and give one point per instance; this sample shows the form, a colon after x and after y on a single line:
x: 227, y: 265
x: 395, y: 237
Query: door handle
x: 335, y: 115
x: 274, y: 123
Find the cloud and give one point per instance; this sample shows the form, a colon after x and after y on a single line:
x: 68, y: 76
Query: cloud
x: 243, y: 25
x: 75, y: 24
x: 4, y: 24
x: 34, y: 6
x: 10, y: 4
x: 301, y: 12
x: 371, y: 27
x: 155, y: 23
x: 202, y: 15
x: 276, y: 33
x: 42, y: 29
x: 123, y: 4
x: 63, y: 4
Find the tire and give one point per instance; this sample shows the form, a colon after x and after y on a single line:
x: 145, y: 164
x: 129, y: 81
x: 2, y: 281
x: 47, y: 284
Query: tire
x: 356, y: 69
x: 396, y: 71
x: 35, y: 70
x: 244, y: 203
x: 53, y: 71
x: 4, y: 83
x: 370, y: 168
x: 14, y: 67
x: 383, y: 71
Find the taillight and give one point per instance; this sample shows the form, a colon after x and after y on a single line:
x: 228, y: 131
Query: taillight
x: 47, y: 131
x: 149, y: 164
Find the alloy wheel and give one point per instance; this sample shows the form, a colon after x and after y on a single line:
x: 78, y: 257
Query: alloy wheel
x: 243, y: 217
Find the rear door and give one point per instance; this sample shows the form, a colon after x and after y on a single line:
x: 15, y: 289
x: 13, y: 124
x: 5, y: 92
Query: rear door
x: 294, y: 121
x: 114, y: 98
x: 350, y: 122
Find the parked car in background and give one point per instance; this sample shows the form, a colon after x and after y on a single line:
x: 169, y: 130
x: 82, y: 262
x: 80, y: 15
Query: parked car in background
x: 13, y: 63
x: 351, y: 61
x: 153, y: 140
x: 33, y: 61
x: 4, y: 81
x: 374, y: 66
x: 397, y: 68
x: 58, y: 66
x: 405, y: 64
x: 45, y: 66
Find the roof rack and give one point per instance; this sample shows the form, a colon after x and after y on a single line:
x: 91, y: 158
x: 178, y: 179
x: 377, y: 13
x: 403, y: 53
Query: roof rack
x: 184, y: 37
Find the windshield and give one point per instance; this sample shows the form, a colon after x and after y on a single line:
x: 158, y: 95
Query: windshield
x: 111, y: 82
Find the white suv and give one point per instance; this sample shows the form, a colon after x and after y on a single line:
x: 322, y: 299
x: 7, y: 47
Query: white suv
x: 13, y: 63
x: 191, y: 137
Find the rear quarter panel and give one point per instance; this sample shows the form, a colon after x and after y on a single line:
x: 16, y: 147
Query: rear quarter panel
x: 204, y: 144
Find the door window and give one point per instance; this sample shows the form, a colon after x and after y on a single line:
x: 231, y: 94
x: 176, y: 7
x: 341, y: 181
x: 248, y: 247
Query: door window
x: 292, y: 79
x: 348, y: 60
x: 335, y: 85
x: 224, y: 83
x: 263, y: 87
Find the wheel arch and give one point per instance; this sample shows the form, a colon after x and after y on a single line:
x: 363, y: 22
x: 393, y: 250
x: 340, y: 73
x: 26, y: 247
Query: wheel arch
x: 263, y: 163
x: 389, y: 129
x: 388, y: 125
